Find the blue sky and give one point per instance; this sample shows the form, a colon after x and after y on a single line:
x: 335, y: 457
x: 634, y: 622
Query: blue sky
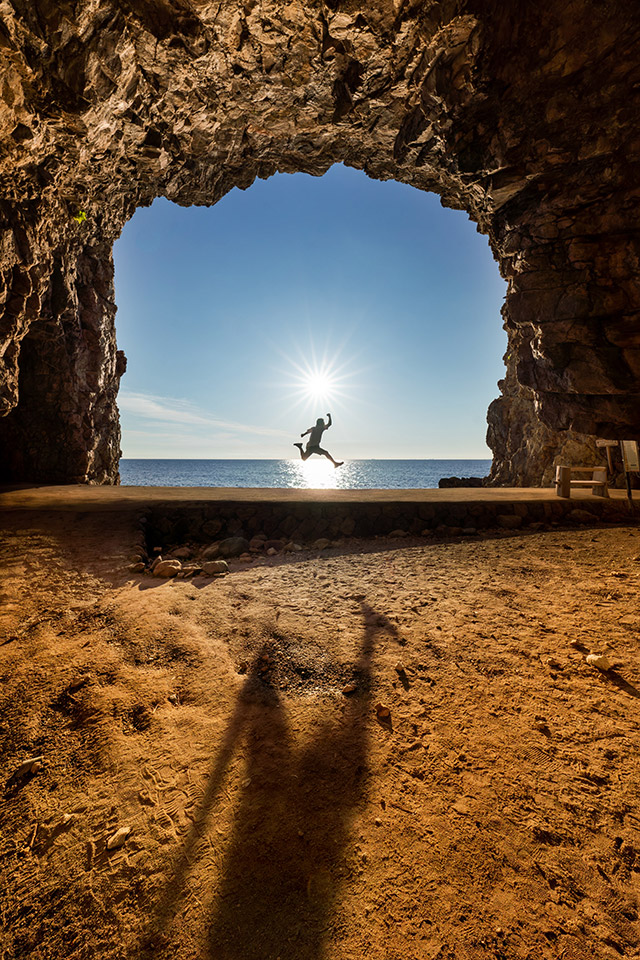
x: 244, y: 322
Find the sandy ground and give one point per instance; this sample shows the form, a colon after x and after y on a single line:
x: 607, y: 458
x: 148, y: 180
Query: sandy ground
x: 494, y: 814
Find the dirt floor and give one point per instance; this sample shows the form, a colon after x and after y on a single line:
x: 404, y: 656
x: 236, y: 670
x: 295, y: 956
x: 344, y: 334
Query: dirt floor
x: 494, y: 813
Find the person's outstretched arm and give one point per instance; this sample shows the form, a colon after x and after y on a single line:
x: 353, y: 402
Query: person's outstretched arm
x: 306, y: 432
x: 329, y: 419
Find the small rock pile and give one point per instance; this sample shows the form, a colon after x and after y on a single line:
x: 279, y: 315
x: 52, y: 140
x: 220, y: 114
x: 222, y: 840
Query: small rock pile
x: 211, y: 560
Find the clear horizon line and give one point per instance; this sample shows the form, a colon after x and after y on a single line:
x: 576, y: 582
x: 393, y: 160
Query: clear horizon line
x: 279, y: 459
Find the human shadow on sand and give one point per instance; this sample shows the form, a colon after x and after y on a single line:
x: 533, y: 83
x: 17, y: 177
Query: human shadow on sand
x: 276, y: 892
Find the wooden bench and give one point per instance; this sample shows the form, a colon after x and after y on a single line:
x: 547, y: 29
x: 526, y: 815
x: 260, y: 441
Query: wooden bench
x: 597, y: 481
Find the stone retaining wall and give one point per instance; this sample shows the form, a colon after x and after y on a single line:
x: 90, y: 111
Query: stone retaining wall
x: 305, y: 522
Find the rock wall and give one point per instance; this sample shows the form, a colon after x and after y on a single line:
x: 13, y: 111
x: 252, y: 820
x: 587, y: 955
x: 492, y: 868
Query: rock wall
x: 522, y: 114
x: 167, y: 526
x: 526, y: 450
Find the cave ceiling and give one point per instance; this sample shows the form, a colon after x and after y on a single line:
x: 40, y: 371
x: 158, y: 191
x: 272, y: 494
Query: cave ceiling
x: 524, y: 115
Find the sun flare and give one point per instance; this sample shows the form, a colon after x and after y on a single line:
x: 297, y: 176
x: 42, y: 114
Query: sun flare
x: 315, y: 385
x: 319, y: 386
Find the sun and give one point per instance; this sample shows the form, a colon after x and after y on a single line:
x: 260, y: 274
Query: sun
x: 319, y: 385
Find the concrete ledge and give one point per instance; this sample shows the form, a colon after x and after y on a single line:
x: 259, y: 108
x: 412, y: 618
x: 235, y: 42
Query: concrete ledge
x: 86, y: 497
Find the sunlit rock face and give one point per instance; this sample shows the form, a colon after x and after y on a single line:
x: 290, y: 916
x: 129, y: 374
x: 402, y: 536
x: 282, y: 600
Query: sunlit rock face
x: 525, y: 115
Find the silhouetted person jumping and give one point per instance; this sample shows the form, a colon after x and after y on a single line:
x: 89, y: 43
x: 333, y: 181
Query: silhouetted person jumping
x: 313, y: 443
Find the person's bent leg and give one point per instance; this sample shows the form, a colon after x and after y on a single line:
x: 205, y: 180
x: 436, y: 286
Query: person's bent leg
x: 325, y: 453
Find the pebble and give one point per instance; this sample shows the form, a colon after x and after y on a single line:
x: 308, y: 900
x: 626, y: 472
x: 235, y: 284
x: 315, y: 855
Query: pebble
x: 32, y: 765
x: 398, y: 534
x: 321, y: 544
x: 542, y: 727
x: 599, y: 660
x: 166, y: 568
x: 215, y: 567
x: 118, y: 838
x: 552, y: 663
x: 136, y: 567
x: 349, y: 688
x: 382, y: 712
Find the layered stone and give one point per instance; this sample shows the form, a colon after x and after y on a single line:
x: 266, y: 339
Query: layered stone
x: 523, y: 115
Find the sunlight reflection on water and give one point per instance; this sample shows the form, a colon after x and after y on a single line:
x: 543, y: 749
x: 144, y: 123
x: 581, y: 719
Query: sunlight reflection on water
x: 317, y: 474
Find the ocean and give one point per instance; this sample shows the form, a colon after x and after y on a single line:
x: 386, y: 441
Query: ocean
x: 315, y: 473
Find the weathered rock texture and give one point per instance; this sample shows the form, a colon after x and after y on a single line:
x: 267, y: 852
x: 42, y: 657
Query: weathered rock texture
x: 525, y: 115
x: 526, y: 450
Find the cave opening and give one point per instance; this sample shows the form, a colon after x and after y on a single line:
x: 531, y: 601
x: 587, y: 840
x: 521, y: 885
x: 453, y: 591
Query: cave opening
x: 230, y: 316
x: 527, y: 123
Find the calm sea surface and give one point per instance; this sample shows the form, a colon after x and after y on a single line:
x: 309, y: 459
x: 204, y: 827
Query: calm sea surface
x: 315, y: 473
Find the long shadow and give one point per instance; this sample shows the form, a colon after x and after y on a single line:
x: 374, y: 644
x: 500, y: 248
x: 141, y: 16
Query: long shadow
x: 276, y: 891
x: 166, y: 905
x: 621, y: 683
